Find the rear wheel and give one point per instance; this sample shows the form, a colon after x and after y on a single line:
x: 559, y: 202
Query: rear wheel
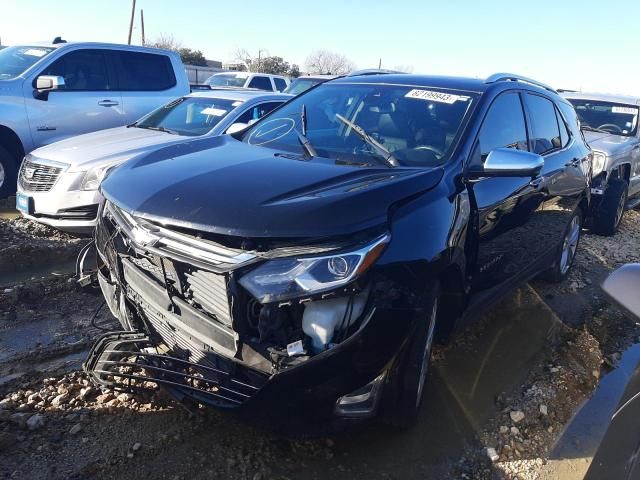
x: 609, y: 213
x: 7, y: 173
x: 411, y: 374
x: 567, y: 251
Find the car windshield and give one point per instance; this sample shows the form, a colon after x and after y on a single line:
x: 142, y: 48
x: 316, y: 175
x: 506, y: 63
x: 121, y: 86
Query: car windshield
x: 226, y: 80
x: 618, y: 118
x: 367, y: 124
x: 15, y: 60
x: 190, y: 116
x: 300, y: 85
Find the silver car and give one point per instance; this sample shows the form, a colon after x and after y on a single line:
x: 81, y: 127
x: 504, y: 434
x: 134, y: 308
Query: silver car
x: 58, y: 184
x: 610, y: 126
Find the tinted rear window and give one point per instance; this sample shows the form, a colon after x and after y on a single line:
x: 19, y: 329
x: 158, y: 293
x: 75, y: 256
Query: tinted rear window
x: 261, y: 83
x: 545, y: 134
x: 144, y: 71
x: 280, y: 84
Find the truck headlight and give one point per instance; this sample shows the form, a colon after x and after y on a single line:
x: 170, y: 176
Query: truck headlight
x: 286, y: 278
x: 94, y: 177
x: 598, y: 162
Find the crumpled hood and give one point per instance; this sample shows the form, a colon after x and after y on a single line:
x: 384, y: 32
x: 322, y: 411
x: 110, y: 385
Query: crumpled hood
x: 609, y: 143
x: 104, y: 146
x: 224, y: 186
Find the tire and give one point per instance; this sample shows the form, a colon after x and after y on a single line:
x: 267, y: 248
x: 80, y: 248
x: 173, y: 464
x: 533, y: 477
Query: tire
x: 609, y: 213
x: 409, y: 378
x: 569, y: 246
x: 7, y: 173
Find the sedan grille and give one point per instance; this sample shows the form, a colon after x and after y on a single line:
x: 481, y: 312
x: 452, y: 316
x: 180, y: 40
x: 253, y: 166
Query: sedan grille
x: 38, y: 177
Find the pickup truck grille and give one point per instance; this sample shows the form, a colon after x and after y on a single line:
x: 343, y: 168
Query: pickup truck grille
x: 38, y: 177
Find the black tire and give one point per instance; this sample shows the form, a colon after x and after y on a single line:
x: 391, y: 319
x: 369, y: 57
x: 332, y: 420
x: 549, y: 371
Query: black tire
x: 609, y: 213
x: 8, y: 172
x: 561, y: 267
x: 406, y: 388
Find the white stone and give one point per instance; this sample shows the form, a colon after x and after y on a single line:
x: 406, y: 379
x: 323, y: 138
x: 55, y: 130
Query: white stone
x: 492, y: 454
x: 543, y: 410
x: 516, y: 416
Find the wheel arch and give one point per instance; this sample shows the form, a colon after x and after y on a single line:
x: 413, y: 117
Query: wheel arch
x: 11, y: 141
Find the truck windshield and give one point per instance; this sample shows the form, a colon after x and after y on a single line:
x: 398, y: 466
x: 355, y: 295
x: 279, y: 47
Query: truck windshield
x: 226, y: 80
x: 303, y: 84
x: 15, y: 60
x: 617, y: 118
x: 414, y: 125
x: 189, y: 116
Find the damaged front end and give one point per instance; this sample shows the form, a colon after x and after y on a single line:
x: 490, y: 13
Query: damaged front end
x: 219, y: 323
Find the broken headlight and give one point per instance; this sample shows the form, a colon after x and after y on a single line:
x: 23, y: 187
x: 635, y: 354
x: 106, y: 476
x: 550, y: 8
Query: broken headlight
x: 599, y: 159
x: 286, y: 278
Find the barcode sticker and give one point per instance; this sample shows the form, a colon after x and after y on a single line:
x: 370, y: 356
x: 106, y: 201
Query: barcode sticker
x: 295, y: 348
x: 432, y: 96
x: 627, y: 110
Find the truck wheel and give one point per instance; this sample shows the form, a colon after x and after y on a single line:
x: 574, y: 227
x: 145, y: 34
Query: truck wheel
x: 407, y: 384
x: 608, y: 216
x: 566, y: 252
x: 7, y: 173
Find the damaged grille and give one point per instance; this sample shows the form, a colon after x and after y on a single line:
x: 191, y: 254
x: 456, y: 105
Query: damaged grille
x: 209, y: 290
x: 38, y: 177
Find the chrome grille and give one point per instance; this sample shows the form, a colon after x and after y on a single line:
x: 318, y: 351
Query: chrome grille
x: 38, y: 177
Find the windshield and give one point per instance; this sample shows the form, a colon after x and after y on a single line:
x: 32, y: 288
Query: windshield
x: 190, y: 116
x: 15, y: 60
x: 618, y: 118
x: 226, y: 80
x: 415, y: 126
x: 300, y: 85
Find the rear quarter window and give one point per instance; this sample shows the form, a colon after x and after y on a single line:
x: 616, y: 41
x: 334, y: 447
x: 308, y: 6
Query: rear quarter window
x: 138, y: 71
x: 261, y: 83
x: 280, y: 84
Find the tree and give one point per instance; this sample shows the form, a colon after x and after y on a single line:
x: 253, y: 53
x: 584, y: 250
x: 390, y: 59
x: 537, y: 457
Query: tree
x: 166, y: 41
x: 294, y: 71
x: 322, y: 62
x: 274, y: 65
x: 262, y: 63
x: 192, y: 57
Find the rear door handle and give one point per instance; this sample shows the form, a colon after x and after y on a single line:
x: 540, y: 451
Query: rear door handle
x: 108, y: 103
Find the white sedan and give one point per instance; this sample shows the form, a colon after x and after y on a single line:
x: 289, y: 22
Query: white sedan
x: 58, y: 184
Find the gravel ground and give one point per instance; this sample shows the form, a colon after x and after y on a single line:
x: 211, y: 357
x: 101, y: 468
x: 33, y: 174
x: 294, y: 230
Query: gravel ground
x: 54, y: 424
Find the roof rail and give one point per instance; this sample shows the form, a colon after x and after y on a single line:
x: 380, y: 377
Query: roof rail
x: 512, y: 77
x: 372, y: 71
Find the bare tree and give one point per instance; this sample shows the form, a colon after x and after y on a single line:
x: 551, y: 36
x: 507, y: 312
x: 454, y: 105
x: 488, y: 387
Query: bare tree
x: 406, y: 68
x: 327, y: 62
x: 166, y: 41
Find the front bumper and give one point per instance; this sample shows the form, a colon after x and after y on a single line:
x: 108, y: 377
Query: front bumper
x: 62, y: 207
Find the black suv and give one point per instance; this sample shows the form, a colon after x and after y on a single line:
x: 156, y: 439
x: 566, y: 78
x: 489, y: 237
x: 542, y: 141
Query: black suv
x: 308, y: 262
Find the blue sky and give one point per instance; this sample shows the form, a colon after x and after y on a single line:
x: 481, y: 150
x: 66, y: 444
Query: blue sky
x: 568, y: 44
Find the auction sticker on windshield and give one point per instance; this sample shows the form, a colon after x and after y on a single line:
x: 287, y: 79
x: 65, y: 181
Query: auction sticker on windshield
x: 627, y: 110
x: 432, y: 96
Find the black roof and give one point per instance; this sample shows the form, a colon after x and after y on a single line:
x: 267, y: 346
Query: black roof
x: 456, y: 83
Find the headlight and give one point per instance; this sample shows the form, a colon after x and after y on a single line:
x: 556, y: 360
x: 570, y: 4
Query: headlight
x: 597, y: 164
x: 286, y: 278
x: 93, y: 177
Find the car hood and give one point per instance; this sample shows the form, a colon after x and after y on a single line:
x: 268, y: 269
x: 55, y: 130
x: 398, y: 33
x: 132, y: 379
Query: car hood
x: 105, y: 146
x: 609, y: 143
x: 224, y: 186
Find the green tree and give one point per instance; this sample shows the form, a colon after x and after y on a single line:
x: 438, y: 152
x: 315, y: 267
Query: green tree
x: 192, y: 57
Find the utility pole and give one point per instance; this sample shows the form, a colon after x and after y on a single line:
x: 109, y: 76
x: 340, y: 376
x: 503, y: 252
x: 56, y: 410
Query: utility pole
x: 142, y: 25
x: 133, y: 14
x: 379, y: 64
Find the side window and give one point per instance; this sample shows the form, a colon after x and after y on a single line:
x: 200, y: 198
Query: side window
x: 82, y: 70
x: 280, y: 84
x: 261, y: 83
x: 545, y: 134
x: 503, y: 126
x: 257, y: 112
x: 564, y: 131
x: 139, y: 71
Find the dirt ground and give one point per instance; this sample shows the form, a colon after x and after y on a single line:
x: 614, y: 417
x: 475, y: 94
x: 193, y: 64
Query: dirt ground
x: 55, y: 424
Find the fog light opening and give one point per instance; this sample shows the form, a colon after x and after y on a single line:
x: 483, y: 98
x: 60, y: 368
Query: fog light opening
x: 362, y: 402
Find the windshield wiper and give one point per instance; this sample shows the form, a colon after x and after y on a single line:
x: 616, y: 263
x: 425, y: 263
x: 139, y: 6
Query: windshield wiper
x: 302, y: 136
x: 158, y: 129
x: 388, y: 157
x: 589, y: 128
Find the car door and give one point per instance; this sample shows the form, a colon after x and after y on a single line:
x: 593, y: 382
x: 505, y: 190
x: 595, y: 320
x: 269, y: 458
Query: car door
x: 507, y: 207
x: 562, y: 181
x: 88, y: 102
x: 145, y: 81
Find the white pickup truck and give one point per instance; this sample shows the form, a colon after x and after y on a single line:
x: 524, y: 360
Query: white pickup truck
x: 49, y: 92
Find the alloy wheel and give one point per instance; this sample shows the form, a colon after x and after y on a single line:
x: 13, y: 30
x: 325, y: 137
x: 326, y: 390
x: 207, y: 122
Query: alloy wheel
x: 620, y: 209
x: 570, y: 244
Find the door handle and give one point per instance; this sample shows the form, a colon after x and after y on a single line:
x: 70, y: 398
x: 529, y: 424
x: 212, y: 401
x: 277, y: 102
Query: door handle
x: 108, y: 103
x: 536, y: 182
x: 573, y: 163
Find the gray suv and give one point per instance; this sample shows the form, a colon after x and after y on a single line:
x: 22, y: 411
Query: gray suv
x: 610, y: 126
x: 52, y: 91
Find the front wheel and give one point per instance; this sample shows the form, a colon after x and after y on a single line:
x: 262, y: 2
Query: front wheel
x: 609, y: 213
x: 566, y: 253
x: 7, y: 173
x: 411, y: 374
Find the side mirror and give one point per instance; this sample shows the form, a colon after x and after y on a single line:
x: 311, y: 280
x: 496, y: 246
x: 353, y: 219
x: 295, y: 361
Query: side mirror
x: 236, y: 127
x: 622, y: 287
x: 46, y: 84
x: 509, y: 162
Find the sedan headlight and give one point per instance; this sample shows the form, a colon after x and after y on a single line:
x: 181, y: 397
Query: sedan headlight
x: 598, y: 162
x: 286, y: 278
x: 94, y: 177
